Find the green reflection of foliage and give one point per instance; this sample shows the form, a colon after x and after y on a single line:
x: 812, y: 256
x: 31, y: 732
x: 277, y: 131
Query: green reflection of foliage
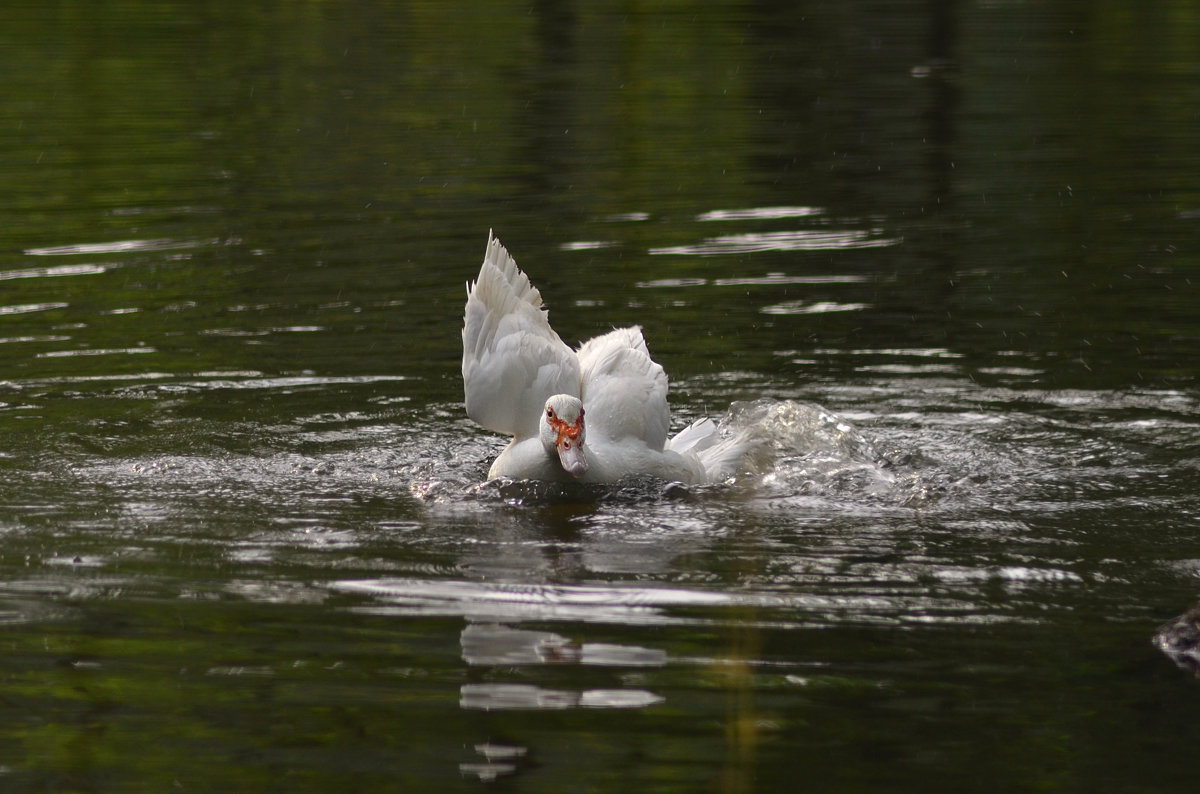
x: 156, y: 695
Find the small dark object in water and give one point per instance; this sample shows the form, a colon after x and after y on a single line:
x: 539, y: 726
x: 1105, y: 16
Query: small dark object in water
x: 1180, y: 640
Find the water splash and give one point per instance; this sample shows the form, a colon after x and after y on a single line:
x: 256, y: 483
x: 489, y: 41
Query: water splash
x: 796, y: 449
x: 806, y: 449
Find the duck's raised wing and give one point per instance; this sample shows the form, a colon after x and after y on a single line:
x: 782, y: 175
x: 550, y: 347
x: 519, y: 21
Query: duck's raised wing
x: 624, y: 391
x: 512, y: 359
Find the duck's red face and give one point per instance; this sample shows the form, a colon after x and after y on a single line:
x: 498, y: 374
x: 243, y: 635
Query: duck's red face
x: 568, y: 441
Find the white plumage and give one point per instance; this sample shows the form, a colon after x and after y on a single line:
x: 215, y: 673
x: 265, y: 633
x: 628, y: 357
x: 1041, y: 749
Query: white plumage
x: 595, y: 415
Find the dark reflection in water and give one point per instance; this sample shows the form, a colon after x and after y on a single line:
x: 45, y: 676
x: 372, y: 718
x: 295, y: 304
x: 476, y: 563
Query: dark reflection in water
x: 943, y: 253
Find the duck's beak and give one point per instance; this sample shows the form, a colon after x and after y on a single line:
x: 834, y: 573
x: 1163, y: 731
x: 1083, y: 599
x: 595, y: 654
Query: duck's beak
x: 570, y: 455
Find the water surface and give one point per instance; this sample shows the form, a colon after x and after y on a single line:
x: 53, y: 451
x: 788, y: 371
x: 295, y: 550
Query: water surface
x: 947, y: 251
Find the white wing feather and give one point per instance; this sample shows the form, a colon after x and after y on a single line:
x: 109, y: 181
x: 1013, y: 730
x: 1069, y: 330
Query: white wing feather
x: 513, y: 361
x: 624, y: 391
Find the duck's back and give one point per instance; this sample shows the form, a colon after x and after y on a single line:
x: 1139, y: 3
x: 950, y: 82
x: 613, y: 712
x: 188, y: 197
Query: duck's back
x: 624, y: 391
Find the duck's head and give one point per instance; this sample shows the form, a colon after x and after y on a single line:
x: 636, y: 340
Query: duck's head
x: 562, y: 433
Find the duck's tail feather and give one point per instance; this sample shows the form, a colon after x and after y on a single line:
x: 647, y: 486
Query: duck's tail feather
x: 721, y: 458
x: 697, y: 436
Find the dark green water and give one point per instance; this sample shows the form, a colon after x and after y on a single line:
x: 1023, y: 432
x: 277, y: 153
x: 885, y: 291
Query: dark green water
x: 243, y: 544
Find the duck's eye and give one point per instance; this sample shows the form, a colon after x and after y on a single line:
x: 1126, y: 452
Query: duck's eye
x: 550, y: 413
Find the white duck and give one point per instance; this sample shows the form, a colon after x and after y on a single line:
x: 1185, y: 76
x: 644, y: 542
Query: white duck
x: 521, y: 379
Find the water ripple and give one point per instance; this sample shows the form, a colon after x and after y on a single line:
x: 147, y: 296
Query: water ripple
x: 45, y: 272
x: 769, y: 280
x: 500, y: 645
x: 121, y: 247
x: 759, y: 213
x: 797, y: 240
x: 96, y: 351
x: 26, y: 308
x: 512, y: 697
x: 815, y: 307
x: 649, y: 606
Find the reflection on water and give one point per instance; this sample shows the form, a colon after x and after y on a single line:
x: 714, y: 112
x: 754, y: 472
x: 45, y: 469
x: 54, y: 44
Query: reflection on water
x: 488, y: 601
x: 25, y: 308
x: 797, y: 240
x: 922, y: 515
x: 815, y: 239
x: 119, y: 247
x: 50, y: 272
x: 499, y: 761
x: 498, y: 644
x: 939, y: 254
x: 509, y: 697
x: 819, y: 307
x: 759, y: 213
